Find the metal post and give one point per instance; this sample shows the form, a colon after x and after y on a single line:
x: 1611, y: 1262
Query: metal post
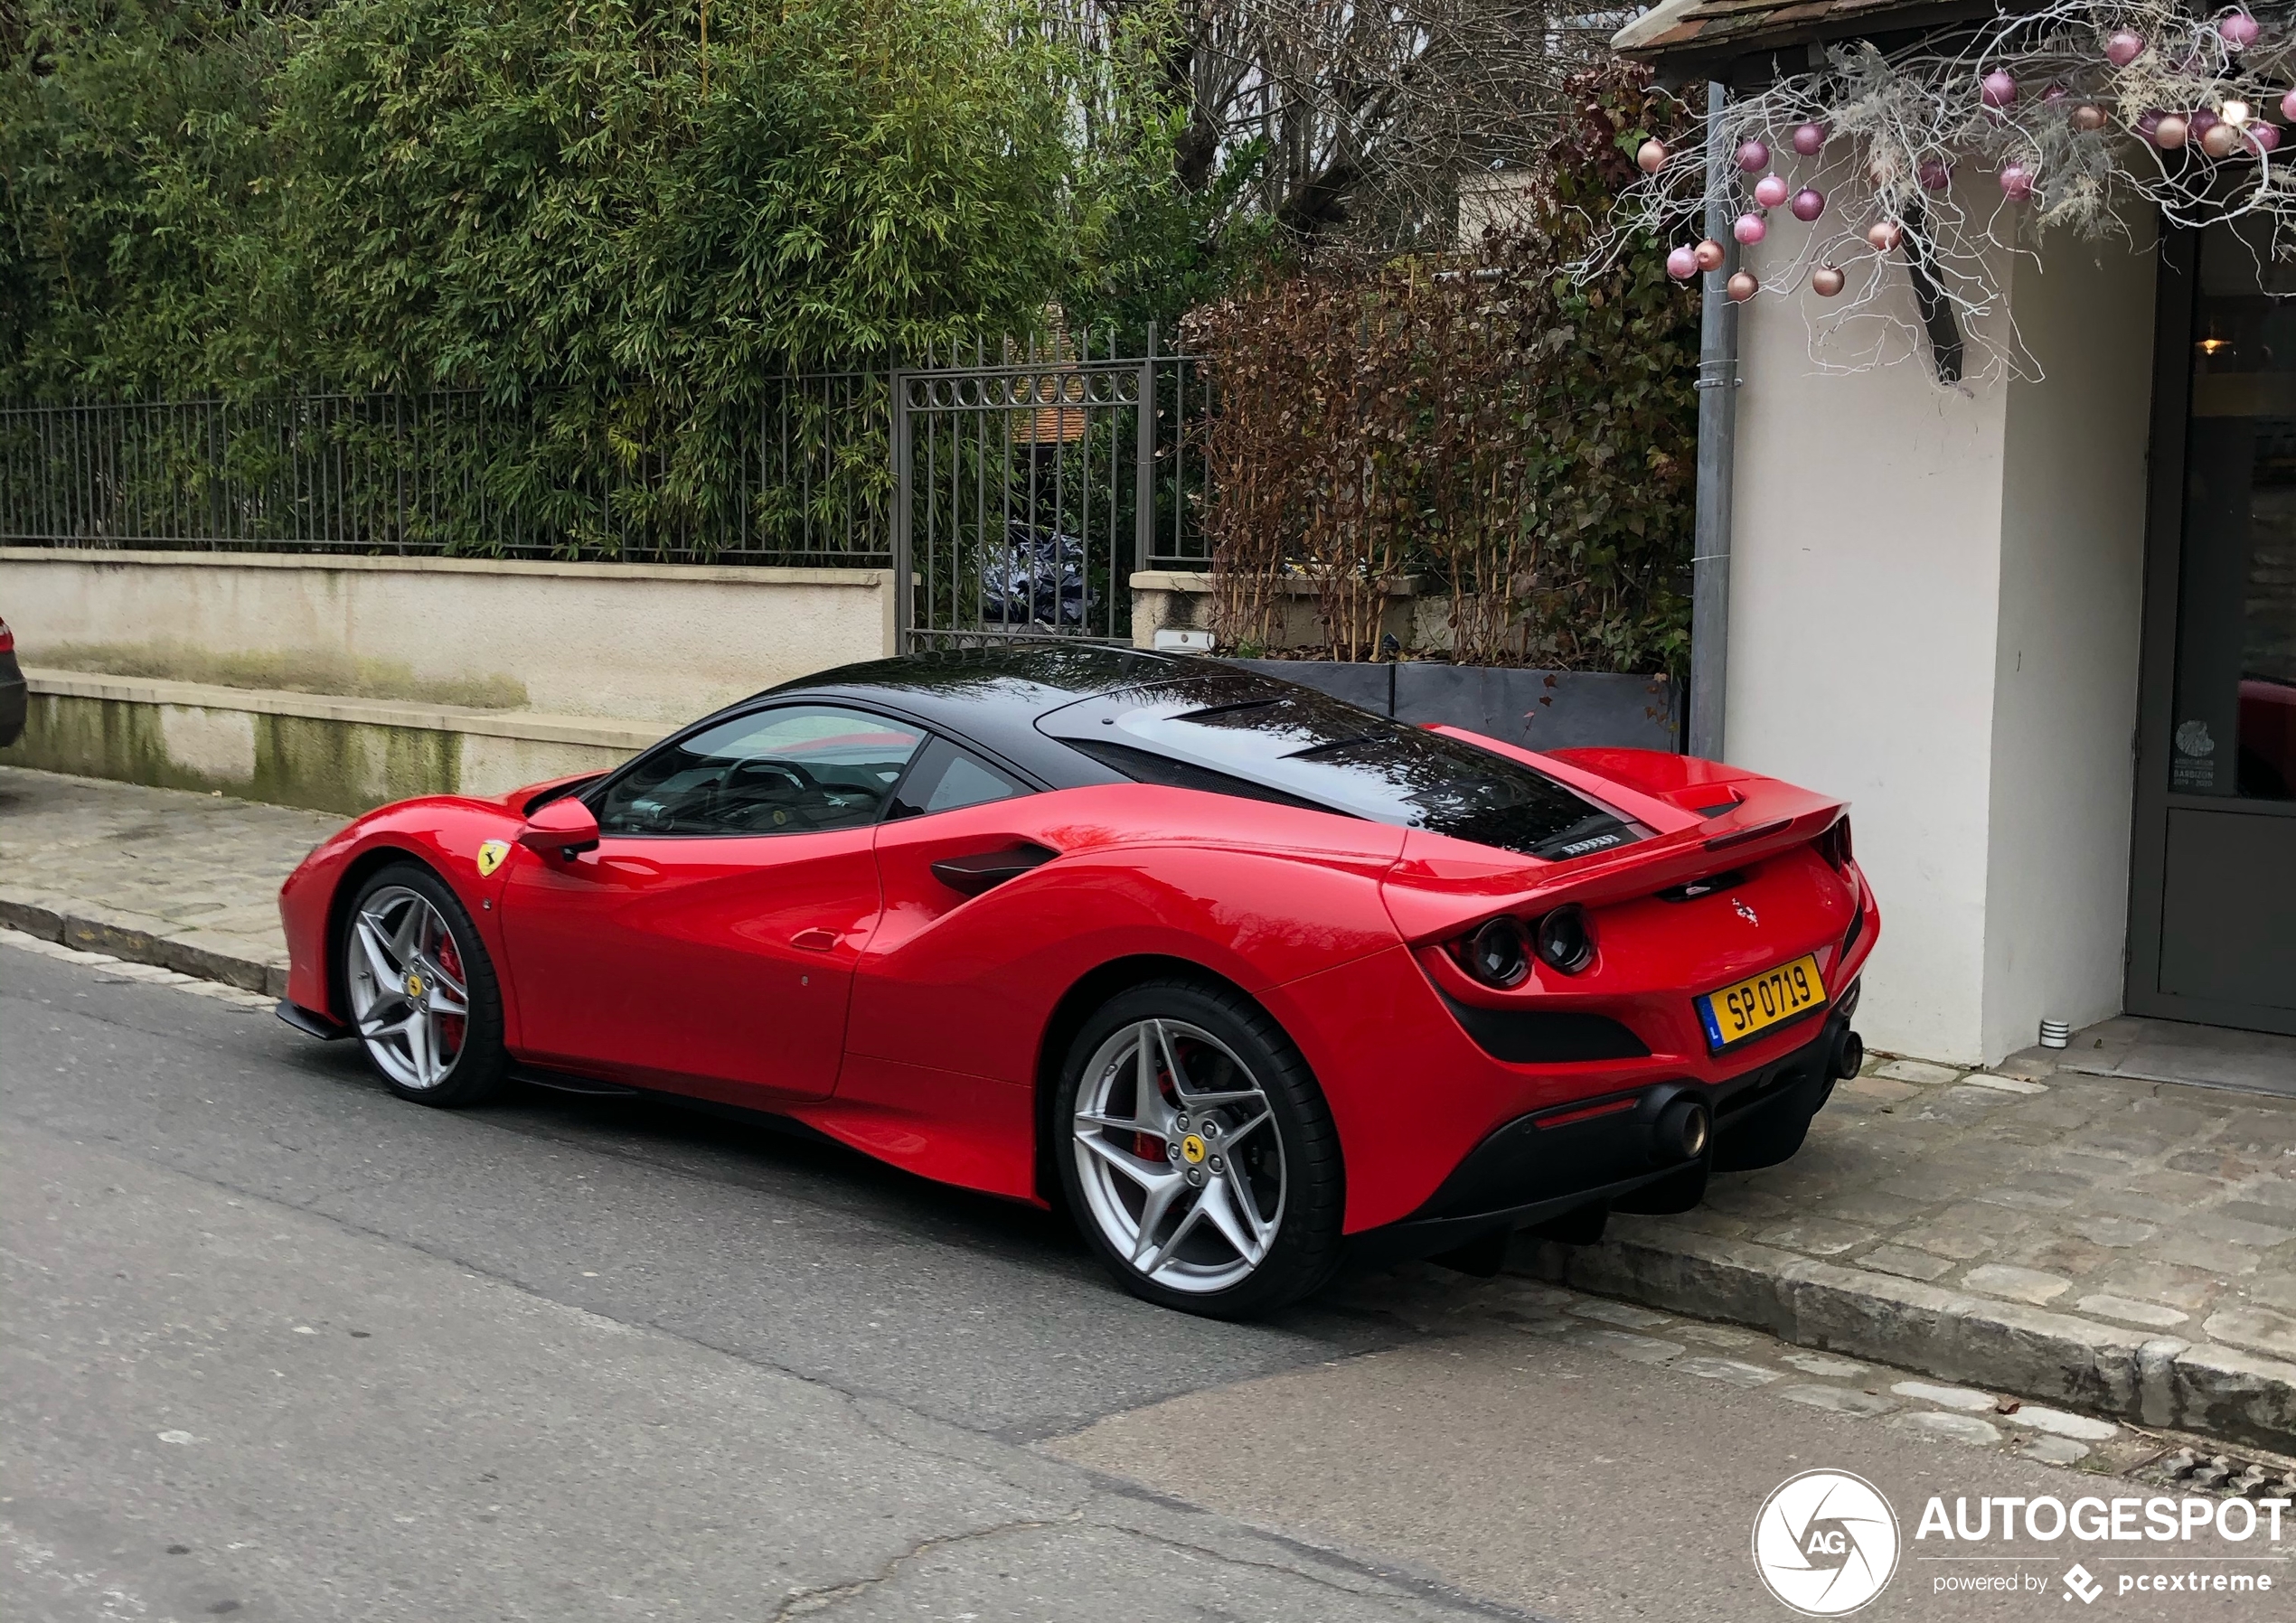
x: 1144, y: 518
x: 904, y: 602
x: 1718, y: 388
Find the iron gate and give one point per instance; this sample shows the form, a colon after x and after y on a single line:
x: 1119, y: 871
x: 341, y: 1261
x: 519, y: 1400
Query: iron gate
x: 1027, y: 490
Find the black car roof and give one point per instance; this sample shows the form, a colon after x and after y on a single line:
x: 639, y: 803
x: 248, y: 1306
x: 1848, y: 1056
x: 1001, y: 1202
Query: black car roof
x: 992, y: 696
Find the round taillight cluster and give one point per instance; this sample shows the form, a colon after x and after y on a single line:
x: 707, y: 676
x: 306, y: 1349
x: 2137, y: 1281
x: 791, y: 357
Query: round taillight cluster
x: 1497, y: 954
x: 1500, y: 951
x: 1566, y: 939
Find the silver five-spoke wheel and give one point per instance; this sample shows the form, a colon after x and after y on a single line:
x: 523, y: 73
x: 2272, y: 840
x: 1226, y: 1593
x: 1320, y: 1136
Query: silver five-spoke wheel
x: 409, y: 997
x: 1179, y: 1156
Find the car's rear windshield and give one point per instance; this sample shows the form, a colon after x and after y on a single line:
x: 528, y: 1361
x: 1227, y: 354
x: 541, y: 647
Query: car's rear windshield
x: 1243, y: 734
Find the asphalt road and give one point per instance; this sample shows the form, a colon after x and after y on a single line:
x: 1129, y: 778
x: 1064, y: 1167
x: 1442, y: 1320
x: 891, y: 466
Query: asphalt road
x: 275, y: 1345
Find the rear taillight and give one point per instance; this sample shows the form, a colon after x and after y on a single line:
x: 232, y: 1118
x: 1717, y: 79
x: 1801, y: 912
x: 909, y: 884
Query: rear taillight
x: 7, y: 639
x: 1497, y: 953
x: 1567, y: 939
x: 1833, y: 845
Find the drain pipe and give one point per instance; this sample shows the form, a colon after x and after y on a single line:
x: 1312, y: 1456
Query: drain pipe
x: 1717, y: 387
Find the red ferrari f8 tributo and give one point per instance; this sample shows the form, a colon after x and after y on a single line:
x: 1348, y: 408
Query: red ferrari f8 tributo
x: 1248, y: 979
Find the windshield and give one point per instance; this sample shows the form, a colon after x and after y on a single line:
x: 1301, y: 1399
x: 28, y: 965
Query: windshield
x: 1242, y: 734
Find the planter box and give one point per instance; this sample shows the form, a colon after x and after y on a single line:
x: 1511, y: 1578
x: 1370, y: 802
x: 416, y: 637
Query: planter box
x: 1537, y: 709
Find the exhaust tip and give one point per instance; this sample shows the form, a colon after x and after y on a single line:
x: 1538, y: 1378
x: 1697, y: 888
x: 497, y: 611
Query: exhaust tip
x: 1682, y: 1130
x: 1849, y: 1055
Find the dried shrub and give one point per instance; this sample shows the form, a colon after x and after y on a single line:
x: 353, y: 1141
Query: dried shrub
x: 1479, y: 418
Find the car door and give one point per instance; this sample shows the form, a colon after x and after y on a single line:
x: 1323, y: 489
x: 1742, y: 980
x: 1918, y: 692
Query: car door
x: 958, y: 827
x: 707, y: 944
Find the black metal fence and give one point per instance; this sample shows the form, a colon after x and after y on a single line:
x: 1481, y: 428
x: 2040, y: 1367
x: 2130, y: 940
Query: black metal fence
x: 987, y: 472
x: 1029, y: 485
x: 798, y: 475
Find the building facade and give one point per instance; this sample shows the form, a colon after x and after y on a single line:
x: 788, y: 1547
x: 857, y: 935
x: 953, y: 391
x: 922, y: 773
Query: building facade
x: 2040, y: 629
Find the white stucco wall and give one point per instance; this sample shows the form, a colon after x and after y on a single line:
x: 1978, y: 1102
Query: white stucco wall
x: 654, y: 643
x: 1933, y: 614
x: 2065, y: 706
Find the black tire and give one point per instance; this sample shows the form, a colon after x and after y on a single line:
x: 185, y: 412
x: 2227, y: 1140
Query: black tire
x: 1304, y: 1249
x: 480, y: 1065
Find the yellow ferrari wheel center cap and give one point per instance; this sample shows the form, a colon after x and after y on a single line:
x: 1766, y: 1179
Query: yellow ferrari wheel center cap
x: 1192, y: 1149
x: 414, y: 984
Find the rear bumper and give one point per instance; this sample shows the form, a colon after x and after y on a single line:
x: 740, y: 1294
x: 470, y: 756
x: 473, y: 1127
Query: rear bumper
x: 1554, y: 1161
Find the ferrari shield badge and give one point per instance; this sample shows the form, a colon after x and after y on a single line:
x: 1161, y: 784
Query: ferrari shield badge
x: 491, y: 855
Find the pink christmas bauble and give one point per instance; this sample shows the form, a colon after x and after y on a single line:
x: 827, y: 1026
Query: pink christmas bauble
x: 1936, y: 174
x: 2088, y: 117
x: 2170, y: 133
x: 1753, y: 156
x: 1809, y: 203
x: 1749, y: 229
x: 1885, y: 234
x: 1742, y: 287
x: 2053, y: 95
x: 1682, y: 264
x: 1770, y: 191
x: 2261, y: 136
x: 1826, y: 281
x: 2124, y: 47
x: 1997, y: 88
x: 1651, y: 157
x: 2201, y: 123
x: 2221, y: 140
x: 1809, y: 139
x: 2288, y: 107
x: 1709, y: 255
x: 2017, y: 181
x: 2239, y: 29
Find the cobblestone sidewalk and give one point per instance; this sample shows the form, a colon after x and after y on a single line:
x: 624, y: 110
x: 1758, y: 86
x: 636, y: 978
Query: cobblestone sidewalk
x: 2128, y: 1247
x: 2123, y: 1247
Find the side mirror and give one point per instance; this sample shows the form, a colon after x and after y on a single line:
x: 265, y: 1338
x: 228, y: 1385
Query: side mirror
x: 564, y: 826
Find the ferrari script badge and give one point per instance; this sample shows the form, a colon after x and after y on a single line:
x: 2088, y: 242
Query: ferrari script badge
x: 1192, y: 1149
x: 1744, y: 912
x: 491, y: 855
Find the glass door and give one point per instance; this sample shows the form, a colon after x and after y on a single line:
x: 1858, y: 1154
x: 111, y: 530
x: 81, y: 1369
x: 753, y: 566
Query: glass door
x: 2213, y: 908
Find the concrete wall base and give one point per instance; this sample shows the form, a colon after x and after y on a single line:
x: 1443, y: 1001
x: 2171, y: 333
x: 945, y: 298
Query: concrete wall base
x: 300, y: 749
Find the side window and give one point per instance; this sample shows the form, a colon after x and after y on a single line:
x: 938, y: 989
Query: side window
x: 797, y: 769
x: 946, y: 778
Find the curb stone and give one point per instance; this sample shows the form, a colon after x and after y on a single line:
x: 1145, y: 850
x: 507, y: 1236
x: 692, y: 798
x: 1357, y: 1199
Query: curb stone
x: 2157, y: 1381
x: 138, y: 939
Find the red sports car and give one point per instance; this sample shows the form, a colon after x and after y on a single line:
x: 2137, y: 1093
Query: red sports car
x: 1248, y: 979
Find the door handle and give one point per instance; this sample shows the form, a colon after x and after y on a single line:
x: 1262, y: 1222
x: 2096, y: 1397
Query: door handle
x: 815, y: 940
x: 985, y: 870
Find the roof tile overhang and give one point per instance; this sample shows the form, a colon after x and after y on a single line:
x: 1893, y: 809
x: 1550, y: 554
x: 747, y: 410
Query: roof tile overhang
x: 1739, y: 41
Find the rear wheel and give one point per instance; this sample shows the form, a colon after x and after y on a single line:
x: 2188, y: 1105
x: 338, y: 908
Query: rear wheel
x: 421, y: 989
x: 1203, y: 1166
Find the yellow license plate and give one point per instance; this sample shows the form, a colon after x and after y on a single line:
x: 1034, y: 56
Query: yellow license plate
x: 1759, y: 1002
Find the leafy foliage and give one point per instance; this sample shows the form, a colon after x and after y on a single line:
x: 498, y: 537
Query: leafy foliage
x: 617, y: 221
x: 1525, y: 438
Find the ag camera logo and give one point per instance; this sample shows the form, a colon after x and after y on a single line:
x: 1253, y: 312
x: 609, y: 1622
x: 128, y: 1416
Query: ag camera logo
x: 1825, y: 1542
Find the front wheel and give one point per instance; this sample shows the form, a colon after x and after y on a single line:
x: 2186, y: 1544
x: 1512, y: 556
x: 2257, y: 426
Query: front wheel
x: 421, y: 989
x: 1203, y: 1165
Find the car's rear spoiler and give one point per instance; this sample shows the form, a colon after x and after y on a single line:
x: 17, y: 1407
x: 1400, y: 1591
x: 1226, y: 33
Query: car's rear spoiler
x: 1439, y: 885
